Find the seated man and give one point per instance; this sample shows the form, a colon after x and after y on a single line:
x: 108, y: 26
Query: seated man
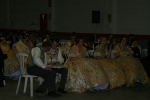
x: 90, y: 44
x: 90, y: 47
x: 135, y: 49
x: 55, y: 61
x: 37, y: 65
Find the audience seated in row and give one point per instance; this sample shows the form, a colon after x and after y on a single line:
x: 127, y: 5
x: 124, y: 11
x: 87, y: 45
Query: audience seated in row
x: 112, y: 65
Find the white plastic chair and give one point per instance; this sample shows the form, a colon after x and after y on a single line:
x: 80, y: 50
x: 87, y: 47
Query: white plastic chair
x: 90, y: 53
x: 20, y: 57
x: 62, y: 42
x: 144, y: 52
x: 4, y: 82
x: 139, y: 47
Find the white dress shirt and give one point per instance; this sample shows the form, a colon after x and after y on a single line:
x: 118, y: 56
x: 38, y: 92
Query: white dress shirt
x: 36, y: 54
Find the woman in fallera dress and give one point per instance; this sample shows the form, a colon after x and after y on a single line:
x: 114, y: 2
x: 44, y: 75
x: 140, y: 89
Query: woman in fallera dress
x: 66, y: 47
x: 132, y: 67
x: 24, y: 45
x: 112, y: 68
x: 84, y: 73
x: 10, y: 64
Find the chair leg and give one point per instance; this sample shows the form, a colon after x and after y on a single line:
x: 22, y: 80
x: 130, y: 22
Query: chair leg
x: 4, y: 82
x: 25, y: 84
x: 40, y: 80
x: 18, y: 84
x: 58, y: 77
x: 31, y: 86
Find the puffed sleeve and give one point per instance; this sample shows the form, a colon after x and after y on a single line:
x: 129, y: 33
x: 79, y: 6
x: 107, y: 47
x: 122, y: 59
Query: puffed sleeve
x: 60, y: 57
x: 64, y: 48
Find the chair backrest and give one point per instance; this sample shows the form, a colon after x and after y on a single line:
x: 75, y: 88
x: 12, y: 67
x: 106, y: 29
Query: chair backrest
x: 39, y: 44
x: 20, y: 57
x: 90, y: 53
x: 139, y: 47
x: 62, y: 42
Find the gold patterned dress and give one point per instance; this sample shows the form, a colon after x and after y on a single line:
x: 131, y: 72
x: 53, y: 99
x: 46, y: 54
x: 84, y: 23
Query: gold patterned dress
x: 132, y: 67
x: 11, y: 63
x: 112, y: 68
x: 84, y: 73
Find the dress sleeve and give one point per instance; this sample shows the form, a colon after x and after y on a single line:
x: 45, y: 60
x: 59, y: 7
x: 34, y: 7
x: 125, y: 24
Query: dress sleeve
x: 116, y: 49
x: 130, y: 49
x: 18, y: 47
x: 60, y: 57
x: 22, y: 48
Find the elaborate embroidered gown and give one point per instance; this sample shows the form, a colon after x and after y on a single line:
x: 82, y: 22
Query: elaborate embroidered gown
x: 132, y: 67
x: 112, y: 68
x: 11, y: 63
x: 84, y: 73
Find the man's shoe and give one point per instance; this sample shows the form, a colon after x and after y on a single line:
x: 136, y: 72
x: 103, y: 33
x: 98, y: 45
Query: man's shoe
x: 39, y: 93
x: 62, y: 91
x: 53, y: 94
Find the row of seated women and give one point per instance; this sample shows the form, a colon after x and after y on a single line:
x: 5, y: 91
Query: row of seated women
x: 11, y: 63
x: 100, y: 72
x: 11, y: 66
x: 112, y: 66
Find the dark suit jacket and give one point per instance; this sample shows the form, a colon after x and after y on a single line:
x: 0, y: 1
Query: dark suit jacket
x: 2, y: 58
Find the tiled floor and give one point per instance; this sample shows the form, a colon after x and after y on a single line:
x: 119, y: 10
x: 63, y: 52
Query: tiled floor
x: 137, y: 92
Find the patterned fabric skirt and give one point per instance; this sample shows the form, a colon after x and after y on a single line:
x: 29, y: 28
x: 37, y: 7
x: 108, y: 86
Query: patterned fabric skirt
x: 11, y: 64
x: 114, y: 72
x: 133, y: 70
x: 84, y: 74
